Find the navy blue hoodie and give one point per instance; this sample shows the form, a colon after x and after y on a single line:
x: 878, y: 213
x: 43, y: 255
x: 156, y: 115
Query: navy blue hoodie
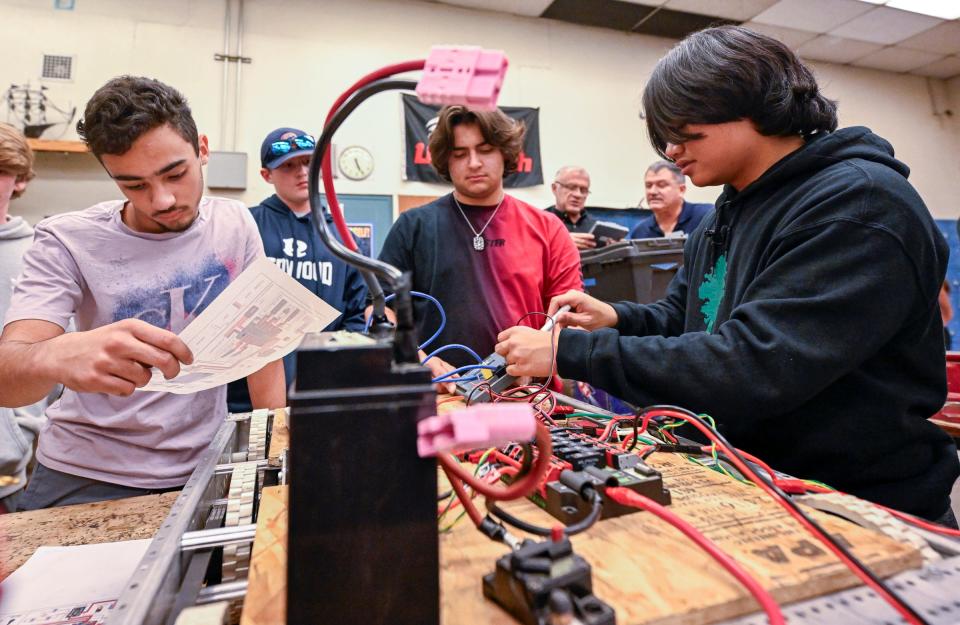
x: 294, y: 244
x: 808, y: 326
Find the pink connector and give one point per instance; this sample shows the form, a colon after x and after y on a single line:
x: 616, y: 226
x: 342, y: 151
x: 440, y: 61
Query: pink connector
x: 483, y: 425
x: 466, y: 75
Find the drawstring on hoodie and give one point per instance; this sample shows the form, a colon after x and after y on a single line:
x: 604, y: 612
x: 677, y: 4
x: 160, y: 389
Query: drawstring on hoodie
x: 720, y: 233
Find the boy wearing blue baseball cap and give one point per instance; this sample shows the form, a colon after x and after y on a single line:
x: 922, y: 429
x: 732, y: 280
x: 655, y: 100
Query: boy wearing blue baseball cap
x: 290, y: 240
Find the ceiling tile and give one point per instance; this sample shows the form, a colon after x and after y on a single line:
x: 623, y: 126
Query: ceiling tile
x: 532, y: 8
x: 896, y: 59
x: 614, y: 14
x: 835, y: 49
x: 676, y: 24
x: 944, y: 68
x: 942, y: 38
x: 791, y: 37
x: 819, y: 16
x: 739, y: 10
x: 885, y: 25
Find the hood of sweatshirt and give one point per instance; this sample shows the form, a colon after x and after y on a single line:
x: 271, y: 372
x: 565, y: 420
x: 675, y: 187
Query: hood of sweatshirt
x: 15, y: 228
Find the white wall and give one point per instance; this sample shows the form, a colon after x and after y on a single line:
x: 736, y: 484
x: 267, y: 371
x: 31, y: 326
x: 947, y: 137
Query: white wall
x: 586, y: 81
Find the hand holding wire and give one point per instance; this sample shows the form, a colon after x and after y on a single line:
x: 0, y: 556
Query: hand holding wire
x: 585, y: 312
x: 527, y: 351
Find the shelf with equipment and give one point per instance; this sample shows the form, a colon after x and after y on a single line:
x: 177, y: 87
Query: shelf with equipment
x: 46, y: 145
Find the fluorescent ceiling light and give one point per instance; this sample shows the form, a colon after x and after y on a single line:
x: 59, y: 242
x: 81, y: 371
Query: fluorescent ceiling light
x: 944, y: 9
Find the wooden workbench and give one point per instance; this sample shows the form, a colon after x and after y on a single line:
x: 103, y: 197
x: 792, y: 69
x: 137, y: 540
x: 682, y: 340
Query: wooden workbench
x: 645, y: 569
x: 82, y: 524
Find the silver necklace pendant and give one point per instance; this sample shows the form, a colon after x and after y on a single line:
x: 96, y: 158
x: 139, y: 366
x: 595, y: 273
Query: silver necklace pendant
x: 478, y: 243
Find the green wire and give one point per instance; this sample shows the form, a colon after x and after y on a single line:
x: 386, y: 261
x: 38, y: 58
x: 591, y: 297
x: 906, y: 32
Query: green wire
x: 595, y: 415
x: 453, y: 496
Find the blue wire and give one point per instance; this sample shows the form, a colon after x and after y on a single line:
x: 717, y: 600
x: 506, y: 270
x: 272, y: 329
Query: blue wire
x: 446, y: 376
x: 443, y: 317
x: 452, y: 346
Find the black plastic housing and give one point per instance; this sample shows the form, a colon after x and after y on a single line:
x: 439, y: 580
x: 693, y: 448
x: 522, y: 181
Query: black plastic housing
x: 362, y: 544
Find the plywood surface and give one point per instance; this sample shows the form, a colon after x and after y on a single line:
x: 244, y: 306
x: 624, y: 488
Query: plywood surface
x: 83, y: 524
x: 646, y: 570
x: 279, y: 436
x: 266, y: 597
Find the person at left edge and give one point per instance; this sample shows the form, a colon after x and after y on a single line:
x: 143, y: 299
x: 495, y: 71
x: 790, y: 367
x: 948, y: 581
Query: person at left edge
x: 290, y: 240
x: 131, y: 273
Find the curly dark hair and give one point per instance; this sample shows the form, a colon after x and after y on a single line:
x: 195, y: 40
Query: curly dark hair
x: 499, y: 130
x: 125, y: 108
x: 728, y: 73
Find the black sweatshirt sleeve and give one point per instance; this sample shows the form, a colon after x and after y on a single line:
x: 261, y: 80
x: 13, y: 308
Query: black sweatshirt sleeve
x: 830, y: 295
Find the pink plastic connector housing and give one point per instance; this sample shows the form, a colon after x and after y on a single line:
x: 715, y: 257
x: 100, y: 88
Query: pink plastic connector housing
x: 483, y: 425
x: 466, y: 75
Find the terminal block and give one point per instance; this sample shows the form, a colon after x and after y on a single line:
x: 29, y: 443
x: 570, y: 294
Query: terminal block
x: 545, y: 582
x: 580, y: 460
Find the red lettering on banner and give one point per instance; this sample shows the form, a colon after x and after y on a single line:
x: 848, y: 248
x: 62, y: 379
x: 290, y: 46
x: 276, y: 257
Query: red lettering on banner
x: 524, y: 163
x: 421, y: 155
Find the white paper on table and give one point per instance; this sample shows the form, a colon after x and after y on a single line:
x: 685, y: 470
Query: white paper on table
x: 60, y: 579
x: 260, y: 317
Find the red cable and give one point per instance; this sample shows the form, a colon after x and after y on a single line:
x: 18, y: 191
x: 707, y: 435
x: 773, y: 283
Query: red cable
x: 327, y: 170
x: 933, y: 527
x: 627, y: 497
x: 611, y: 426
x: 799, y: 486
x: 504, y: 458
x: 746, y: 470
x: 464, y: 498
x: 520, y: 488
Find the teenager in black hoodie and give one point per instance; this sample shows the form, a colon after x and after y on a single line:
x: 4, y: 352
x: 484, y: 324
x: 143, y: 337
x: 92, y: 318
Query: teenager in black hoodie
x: 805, y: 319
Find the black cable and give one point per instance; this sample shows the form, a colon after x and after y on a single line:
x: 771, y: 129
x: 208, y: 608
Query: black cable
x: 570, y: 530
x: 444, y: 495
x: 824, y: 535
x: 469, y: 396
x: 636, y: 432
x: 405, y: 342
x: 527, y: 461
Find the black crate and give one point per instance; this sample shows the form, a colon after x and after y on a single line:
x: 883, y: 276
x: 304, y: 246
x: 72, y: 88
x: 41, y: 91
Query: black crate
x: 638, y: 271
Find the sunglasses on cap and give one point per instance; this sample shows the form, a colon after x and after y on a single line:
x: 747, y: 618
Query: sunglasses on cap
x: 303, y: 142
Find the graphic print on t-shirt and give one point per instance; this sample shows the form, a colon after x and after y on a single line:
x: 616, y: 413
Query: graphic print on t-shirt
x: 175, y: 301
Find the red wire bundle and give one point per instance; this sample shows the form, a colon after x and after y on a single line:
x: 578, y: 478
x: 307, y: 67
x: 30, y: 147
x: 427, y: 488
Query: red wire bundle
x: 326, y: 168
x: 627, y: 497
x: 817, y: 532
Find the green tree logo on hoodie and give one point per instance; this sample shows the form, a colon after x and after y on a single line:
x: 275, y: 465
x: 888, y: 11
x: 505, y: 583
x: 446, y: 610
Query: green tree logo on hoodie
x: 711, y: 291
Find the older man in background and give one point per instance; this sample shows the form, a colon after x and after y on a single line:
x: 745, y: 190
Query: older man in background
x: 665, y: 186
x: 570, y: 187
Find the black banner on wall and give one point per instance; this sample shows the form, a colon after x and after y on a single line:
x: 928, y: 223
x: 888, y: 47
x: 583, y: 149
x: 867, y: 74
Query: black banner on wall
x: 420, y: 119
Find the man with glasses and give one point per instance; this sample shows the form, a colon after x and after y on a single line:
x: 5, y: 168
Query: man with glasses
x: 664, y: 185
x: 570, y: 187
x: 290, y: 240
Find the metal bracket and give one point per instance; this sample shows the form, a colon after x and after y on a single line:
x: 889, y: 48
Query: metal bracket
x: 232, y: 58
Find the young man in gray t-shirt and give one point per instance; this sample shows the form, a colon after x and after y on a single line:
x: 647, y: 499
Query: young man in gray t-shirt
x: 132, y: 274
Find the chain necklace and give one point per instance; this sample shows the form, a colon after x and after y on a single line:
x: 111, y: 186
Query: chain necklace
x: 478, y: 242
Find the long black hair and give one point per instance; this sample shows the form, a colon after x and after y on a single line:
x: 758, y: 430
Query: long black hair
x: 729, y: 73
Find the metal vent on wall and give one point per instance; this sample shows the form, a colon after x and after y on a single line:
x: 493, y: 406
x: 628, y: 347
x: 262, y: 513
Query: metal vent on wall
x: 57, y: 67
